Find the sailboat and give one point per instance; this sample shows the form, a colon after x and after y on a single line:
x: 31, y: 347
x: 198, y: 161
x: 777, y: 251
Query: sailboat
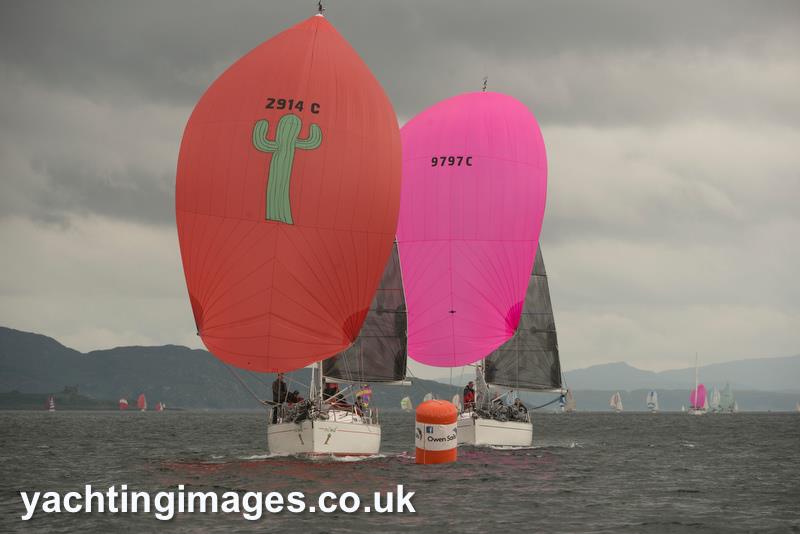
x: 570, y: 405
x: 472, y: 203
x: 405, y: 404
x: 428, y: 396
x: 287, y: 197
x: 698, y: 400
x: 378, y: 355
x: 616, y: 402
x: 160, y: 406
x: 735, y: 407
x: 727, y: 400
x: 123, y: 404
x: 141, y: 403
x: 51, y: 404
x: 715, y: 402
x: 797, y: 407
x: 683, y: 408
x: 652, y: 401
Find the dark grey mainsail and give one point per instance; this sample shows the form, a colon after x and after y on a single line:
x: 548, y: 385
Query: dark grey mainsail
x: 379, y: 352
x: 529, y: 360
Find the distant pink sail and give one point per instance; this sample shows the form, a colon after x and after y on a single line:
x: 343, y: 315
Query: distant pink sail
x: 697, y: 397
x: 471, y: 207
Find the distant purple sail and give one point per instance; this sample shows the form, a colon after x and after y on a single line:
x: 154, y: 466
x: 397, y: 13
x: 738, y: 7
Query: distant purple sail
x: 697, y: 397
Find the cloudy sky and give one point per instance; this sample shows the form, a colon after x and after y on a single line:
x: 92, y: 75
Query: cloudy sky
x: 673, y: 136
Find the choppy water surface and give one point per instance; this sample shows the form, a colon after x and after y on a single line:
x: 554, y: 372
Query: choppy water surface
x: 587, y: 472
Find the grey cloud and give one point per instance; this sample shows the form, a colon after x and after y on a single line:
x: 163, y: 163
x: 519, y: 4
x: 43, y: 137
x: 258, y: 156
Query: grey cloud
x: 69, y: 189
x: 572, y: 62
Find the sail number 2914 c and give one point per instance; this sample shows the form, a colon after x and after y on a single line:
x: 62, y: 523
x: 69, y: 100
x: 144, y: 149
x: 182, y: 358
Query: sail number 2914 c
x: 291, y: 104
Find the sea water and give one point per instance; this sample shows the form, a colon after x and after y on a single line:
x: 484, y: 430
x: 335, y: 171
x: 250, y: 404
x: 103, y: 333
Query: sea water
x: 587, y: 472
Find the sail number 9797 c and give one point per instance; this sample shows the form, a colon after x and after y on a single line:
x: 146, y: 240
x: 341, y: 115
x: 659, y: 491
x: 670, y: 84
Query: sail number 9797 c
x: 291, y: 104
x: 451, y: 161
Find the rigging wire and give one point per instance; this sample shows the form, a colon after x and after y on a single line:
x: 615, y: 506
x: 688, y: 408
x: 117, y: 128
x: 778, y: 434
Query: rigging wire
x: 547, y: 403
x: 263, y: 402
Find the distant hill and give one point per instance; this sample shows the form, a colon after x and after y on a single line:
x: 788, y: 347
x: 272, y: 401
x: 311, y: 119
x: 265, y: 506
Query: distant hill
x: 184, y: 378
x: 671, y: 400
x: 179, y: 376
x: 766, y: 374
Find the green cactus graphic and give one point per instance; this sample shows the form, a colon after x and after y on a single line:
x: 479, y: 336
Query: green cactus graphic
x: 280, y: 168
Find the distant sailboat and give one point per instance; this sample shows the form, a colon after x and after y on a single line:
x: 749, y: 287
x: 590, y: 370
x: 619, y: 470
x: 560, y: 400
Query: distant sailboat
x: 652, y: 401
x: 797, y: 407
x: 427, y: 397
x: 456, y: 400
x: 51, y: 404
x: 141, y: 403
x: 406, y: 405
x: 616, y: 402
x: 698, y: 401
x: 123, y: 404
x: 727, y: 400
x: 160, y: 406
x: 715, y: 403
x: 570, y: 406
x: 735, y: 407
x: 683, y: 408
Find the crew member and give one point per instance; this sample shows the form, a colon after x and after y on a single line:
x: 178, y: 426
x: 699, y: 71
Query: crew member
x: 280, y: 395
x: 469, y: 396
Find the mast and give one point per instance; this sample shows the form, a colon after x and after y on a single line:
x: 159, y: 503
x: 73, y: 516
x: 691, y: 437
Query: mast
x: 695, y: 381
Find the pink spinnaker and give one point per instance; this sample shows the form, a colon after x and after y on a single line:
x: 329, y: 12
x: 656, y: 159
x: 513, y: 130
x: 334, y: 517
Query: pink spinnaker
x: 697, y: 397
x: 469, y: 228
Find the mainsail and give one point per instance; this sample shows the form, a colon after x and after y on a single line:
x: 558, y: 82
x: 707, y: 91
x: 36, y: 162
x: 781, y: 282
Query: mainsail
x: 529, y: 360
x: 616, y: 402
x: 141, y: 402
x: 715, y: 403
x: 726, y: 399
x: 379, y: 352
x: 472, y: 202
x: 406, y: 405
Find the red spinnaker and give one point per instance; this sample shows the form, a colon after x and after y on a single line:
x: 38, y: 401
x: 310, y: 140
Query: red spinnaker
x: 287, y: 195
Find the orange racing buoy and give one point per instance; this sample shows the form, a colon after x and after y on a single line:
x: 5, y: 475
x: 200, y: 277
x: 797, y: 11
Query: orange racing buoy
x: 435, y: 433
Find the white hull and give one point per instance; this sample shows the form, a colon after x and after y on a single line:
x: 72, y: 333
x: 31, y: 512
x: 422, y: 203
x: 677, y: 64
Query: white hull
x: 490, y: 432
x: 696, y: 412
x: 342, y: 435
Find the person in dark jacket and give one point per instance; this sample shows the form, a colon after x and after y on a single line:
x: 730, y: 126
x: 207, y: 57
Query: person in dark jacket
x: 280, y: 394
x: 469, y: 396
